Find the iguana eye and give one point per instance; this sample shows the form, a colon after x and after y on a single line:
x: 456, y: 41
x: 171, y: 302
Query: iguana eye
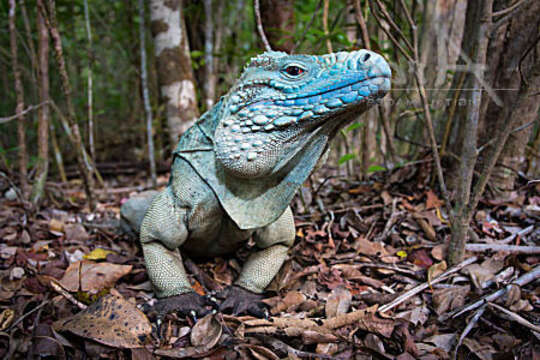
x: 293, y: 70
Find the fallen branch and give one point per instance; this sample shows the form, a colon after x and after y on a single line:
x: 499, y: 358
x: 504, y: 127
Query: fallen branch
x: 520, y: 233
x: 468, y: 329
x: 515, y: 317
x: 521, y: 281
x: 418, y: 289
x: 59, y: 289
x: 507, y: 248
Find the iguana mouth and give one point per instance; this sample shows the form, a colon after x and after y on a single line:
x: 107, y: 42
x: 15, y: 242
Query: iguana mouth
x: 341, y: 87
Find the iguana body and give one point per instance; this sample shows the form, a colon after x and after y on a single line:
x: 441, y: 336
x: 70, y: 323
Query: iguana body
x: 236, y: 170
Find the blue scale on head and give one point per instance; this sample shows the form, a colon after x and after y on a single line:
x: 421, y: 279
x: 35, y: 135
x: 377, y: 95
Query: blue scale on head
x: 320, y: 109
x: 363, y: 92
x: 328, y: 95
x: 334, y: 103
x: 314, y: 99
x: 284, y: 120
x: 301, y: 101
x: 349, y: 98
x: 294, y: 111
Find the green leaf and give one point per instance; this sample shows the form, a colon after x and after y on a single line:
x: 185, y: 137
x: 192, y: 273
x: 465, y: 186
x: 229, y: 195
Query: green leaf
x: 354, y: 126
x: 346, y: 158
x: 375, y: 168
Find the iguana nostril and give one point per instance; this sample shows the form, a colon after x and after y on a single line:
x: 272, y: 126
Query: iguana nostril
x: 366, y: 57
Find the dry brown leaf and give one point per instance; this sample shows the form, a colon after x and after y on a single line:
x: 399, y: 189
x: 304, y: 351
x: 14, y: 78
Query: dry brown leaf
x: 417, y: 315
x: 439, y: 252
x: 326, y: 348
x: 92, y: 277
x: 445, y: 300
x: 6, y: 318
x: 112, y: 321
x: 521, y: 305
x: 432, y: 201
x: 206, y: 332
x: 436, y: 270
x: 291, y: 301
x: 366, y: 247
x: 261, y: 353
x: 442, y: 341
x: 76, y: 232
x: 484, y: 351
x: 316, y: 337
x: 481, y: 273
x: 338, y: 302
x: 56, y: 226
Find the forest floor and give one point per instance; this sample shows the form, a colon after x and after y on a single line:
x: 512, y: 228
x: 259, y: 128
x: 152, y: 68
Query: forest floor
x: 366, y: 279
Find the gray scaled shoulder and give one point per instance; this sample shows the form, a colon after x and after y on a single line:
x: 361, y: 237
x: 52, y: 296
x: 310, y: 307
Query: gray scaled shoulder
x: 264, y: 138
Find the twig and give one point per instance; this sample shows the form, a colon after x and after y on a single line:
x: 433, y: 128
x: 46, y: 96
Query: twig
x: 24, y: 316
x: 325, y: 26
x: 468, y: 329
x: 393, y: 216
x: 260, y: 26
x: 422, y: 287
x: 515, y: 317
x: 501, y: 277
x: 507, y: 248
x: 520, y: 233
x: 509, y: 13
x: 521, y: 281
x: 362, y: 22
x: 278, y: 345
x: 389, y: 34
x: 6, y: 119
x: 508, y: 9
x: 58, y: 288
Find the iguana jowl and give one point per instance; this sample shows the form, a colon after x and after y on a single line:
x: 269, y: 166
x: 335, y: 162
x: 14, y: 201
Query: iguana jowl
x: 236, y: 170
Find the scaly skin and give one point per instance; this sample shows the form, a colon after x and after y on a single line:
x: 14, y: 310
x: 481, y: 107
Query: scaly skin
x: 236, y: 170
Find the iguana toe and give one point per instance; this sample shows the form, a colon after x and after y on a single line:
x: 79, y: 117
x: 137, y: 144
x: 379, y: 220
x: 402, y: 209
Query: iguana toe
x: 241, y: 301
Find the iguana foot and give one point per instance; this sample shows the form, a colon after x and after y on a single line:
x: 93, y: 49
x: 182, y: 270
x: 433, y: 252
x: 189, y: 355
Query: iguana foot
x: 189, y: 303
x: 241, y: 301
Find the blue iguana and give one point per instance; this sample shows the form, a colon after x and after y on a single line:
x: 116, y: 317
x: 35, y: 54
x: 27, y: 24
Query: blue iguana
x: 236, y: 170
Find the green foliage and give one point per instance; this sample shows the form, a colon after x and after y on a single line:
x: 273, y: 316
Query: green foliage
x: 347, y: 157
x: 375, y: 168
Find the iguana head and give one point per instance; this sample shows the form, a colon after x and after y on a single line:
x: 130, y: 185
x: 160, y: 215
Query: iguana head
x: 283, y: 102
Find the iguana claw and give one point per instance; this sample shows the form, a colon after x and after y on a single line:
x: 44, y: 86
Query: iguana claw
x: 241, y: 301
x: 190, y: 303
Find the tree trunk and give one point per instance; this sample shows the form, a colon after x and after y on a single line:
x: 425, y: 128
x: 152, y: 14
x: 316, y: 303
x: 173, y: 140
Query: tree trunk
x: 519, y: 38
x: 210, y: 73
x: 85, y: 164
x: 91, y: 142
x: 278, y: 21
x: 19, y: 91
x: 42, y: 167
x: 146, y: 97
x: 175, y: 74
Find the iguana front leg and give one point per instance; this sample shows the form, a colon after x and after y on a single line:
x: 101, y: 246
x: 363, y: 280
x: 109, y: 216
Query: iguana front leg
x: 262, y: 266
x: 163, y: 230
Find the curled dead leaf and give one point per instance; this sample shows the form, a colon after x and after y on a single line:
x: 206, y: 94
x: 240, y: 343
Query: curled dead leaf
x: 338, y: 302
x: 206, y: 332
